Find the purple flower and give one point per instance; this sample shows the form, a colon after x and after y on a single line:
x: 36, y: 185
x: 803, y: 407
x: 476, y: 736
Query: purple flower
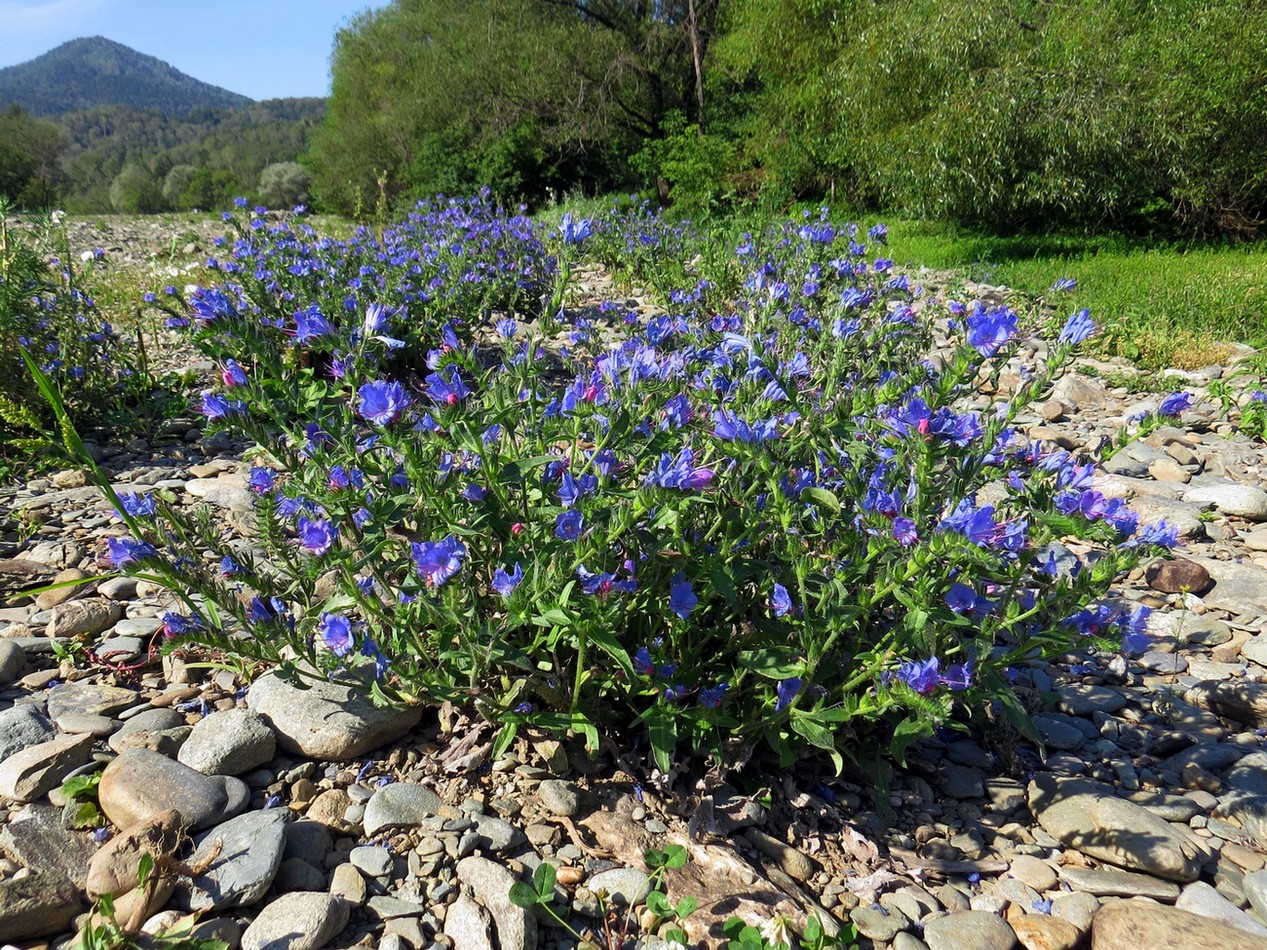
x: 1078, y: 327
x: 989, y: 330
x: 904, y: 531
x: 178, y: 625
x: 261, y: 480
x: 573, y: 231
x: 1065, y: 284
x: 505, y: 583
x: 961, y: 598
x: 335, y: 631
x: 958, y: 676
x: 266, y: 611
x: 473, y: 492
x: 602, y: 583
x: 448, y: 390
x: 229, y: 567
x: 138, y: 506
x: 437, y: 561
x: 975, y: 524
x: 1134, y: 627
x: 1174, y: 404
x: 370, y: 649
x: 316, y: 537
x: 712, y: 697
x: 781, y: 601
x: 785, y: 692
x: 381, y: 402
x: 682, y: 599
x: 233, y: 374
x: 679, y: 472
x: 568, y: 526
x: 1160, y: 534
x: 642, y: 662
x: 923, y: 677
x: 125, y: 551
x: 216, y: 407
x: 506, y: 327
x: 310, y: 324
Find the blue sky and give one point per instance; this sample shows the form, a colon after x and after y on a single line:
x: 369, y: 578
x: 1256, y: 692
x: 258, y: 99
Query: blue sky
x: 259, y: 48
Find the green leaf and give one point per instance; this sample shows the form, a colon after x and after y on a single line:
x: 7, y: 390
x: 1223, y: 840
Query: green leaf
x: 658, y: 904
x: 823, y: 498
x: 605, y: 638
x: 81, y: 785
x: 675, y: 856
x: 144, y: 867
x: 661, y: 721
x: 523, y: 895
x: 686, y: 906
x: 553, y: 617
x: 773, y: 663
x: 907, y: 731
x: 544, y: 879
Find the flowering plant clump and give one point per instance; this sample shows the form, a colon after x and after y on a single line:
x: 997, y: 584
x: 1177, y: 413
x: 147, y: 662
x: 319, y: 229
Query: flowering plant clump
x: 788, y: 519
x: 45, y: 310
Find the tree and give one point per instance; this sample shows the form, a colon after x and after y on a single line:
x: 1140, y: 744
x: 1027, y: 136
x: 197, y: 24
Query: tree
x: 284, y: 184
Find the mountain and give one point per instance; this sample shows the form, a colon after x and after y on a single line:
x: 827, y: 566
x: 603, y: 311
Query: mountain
x: 95, y: 71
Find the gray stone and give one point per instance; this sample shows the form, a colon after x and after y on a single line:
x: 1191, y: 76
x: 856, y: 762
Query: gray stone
x: 1255, y: 886
x: 12, y: 662
x: 971, y: 928
x: 516, y: 928
x: 39, y: 905
x: 1238, y: 588
x: 1200, y: 898
x: 83, y: 617
x: 309, y: 841
x: 22, y: 726
x: 87, y: 724
x: 1087, y: 816
x: 559, y: 797
x: 1105, y: 883
x: 228, y: 742
x: 1033, y: 871
x: 141, y: 783
x: 1248, y: 775
x: 327, y: 721
x: 961, y: 781
x: 300, y: 921
x: 36, y: 839
x: 140, y: 627
x: 791, y: 861
x: 296, y: 874
x: 1231, y: 498
x: 468, y: 925
x: 879, y: 924
x: 497, y: 835
x: 400, y: 805
x: 38, y: 769
x: 1078, y: 908
x: 372, y: 861
x: 250, y: 854
x: 347, y: 882
x: 1243, y: 701
x: 1059, y: 733
x: 226, y: 491
x: 624, y: 886
x: 87, y: 697
x: 391, y: 908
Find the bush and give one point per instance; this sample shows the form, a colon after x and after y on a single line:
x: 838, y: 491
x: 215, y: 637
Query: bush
x: 766, y: 519
x: 284, y: 185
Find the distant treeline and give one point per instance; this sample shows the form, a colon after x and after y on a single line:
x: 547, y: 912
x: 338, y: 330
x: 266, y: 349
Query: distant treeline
x: 123, y: 159
x: 1002, y: 113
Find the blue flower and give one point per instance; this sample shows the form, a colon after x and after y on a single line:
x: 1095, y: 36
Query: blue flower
x: 448, y: 390
x: 178, y: 625
x: 568, y: 525
x: 370, y: 649
x: 316, y: 537
x: 310, y: 324
x: 335, y: 631
x: 642, y: 662
x: 679, y: 472
x: 229, y: 567
x: 781, y: 601
x: 216, y: 407
x: 573, y: 231
x: 682, y: 599
x: 904, y: 531
x: 261, y: 480
x: 923, y: 677
x: 437, y: 561
x: 381, y: 402
x: 505, y: 583
x: 138, y: 506
x: 958, y: 676
x: 1078, y: 327
x: 786, y: 691
x: 1065, y: 284
x: 1174, y: 404
x: 961, y: 598
x: 233, y: 374
x: 125, y: 551
x: 712, y: 697
x: 989, y: 330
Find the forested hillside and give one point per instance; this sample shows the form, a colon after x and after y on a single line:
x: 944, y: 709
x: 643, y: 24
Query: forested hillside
x: 1008, y: 113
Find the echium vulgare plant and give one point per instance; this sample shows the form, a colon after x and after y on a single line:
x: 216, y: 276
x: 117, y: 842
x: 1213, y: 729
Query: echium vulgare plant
x: 790, y: 519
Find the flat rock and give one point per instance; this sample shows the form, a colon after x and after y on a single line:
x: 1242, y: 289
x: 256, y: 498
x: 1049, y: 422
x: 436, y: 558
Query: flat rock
x: 1144, y: 925
x: 22, y: 726
x: 1200, y: 898
x: 40, y: 905
x: 1231, y: 498
x: 226, y: 491
x: 625, y: 886
x: 228, y: 742
x: 1238, y: 588
x: 83, y: 617
x: 36, y: 839
x: 1243, y: 701
x: 92, y: 698
x: 401, y: 804
x: 978, y: 929
x: 12, y: 662
x: 1083, y: 699
x: 303, y: 920
x: 516, y: 928
x: 559, y: 797
x: 141, y: 783
x: 37, y: 770
x: 1089, y: 817
x: 1041, y: 932
x: 250, y: 853
x: 327, y: 721
x: 468, y: 925
x: 1105, y: 883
